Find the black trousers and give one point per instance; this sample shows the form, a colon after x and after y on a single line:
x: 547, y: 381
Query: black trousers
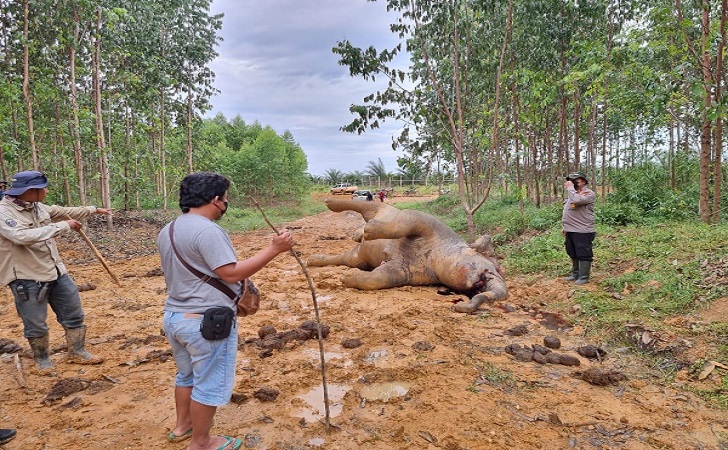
x: 579, y: 245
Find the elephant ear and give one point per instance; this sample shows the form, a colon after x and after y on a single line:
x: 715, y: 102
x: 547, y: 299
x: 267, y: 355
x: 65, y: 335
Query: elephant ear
x: 484, y: 245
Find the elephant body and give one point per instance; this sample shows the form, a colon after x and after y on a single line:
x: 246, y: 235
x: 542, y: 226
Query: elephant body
x: 411, y: 248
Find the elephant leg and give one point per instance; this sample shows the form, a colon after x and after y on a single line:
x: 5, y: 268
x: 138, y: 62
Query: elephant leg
x: 383, y: 277
x: 349, y: 259
x: 368, y: 210
x: 378, y: 229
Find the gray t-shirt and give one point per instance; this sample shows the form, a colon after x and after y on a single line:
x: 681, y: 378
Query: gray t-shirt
x: 578, y: 214
x: 205, y: 246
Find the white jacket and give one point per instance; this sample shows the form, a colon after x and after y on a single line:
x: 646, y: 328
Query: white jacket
x: 27, y: 248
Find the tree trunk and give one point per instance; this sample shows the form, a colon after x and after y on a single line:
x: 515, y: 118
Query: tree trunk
x: 127, y: 158
x: 562, y: 156
x: 100, y: 140
x: 534, y: 167
x: 718, y: 141
x: 517, y: 148
x: 3, y: 169
x: 190, y: 167
x: 76, y: 129
x: 162, y: 154
x: 26, y: 87
x: 577, y: 114
x: 705, y: 127
x: 62, y: 159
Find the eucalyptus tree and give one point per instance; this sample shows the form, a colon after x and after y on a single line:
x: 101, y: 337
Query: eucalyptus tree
x: 700, y: 22
x: 456, y: 49
x: 679, y: 48
x: 11, y: 96
x: 191, y: 39
x: 26, y: 83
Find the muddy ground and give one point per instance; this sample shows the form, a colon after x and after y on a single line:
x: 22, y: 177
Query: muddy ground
x: 403, y: 371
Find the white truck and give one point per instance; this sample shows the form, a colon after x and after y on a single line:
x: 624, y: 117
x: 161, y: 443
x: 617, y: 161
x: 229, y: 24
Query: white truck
x: 344, y: 188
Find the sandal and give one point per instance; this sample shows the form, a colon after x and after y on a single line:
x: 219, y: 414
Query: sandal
x: 171, y: 437
x: 236, y: 442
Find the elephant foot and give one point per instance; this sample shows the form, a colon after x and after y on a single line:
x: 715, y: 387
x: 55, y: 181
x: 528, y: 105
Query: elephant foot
x: 474, y: 303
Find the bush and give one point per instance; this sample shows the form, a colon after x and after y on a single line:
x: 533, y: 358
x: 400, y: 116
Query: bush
x: 647, y: 189
x: 618, y: 214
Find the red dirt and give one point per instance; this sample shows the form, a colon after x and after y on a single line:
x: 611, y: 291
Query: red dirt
x: 463, y: 391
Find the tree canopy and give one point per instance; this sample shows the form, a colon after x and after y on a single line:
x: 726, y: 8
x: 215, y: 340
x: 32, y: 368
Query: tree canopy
x: 518, y: 93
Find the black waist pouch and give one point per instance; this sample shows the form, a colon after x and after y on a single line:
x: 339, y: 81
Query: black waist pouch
x: 217, y: 323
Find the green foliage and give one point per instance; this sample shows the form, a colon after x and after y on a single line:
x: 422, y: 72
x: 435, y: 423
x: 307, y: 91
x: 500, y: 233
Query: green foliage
x: 542, y: 253
x: 245, y: 217
x: 645, y: 190
x: 266, y: 166
x: 618, y: 214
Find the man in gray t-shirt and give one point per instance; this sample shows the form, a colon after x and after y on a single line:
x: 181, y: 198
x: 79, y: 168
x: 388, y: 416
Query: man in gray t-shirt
x: 205, y: 245
x: 577, y: 220
x: 205, y: 368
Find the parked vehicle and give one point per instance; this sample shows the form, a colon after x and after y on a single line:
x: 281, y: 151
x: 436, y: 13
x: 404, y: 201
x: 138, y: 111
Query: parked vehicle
x: 344, y: 188
x: 362, y: 195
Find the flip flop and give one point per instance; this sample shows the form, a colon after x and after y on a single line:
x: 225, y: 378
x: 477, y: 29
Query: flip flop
x: 171, y: 437
x: 237, y: 443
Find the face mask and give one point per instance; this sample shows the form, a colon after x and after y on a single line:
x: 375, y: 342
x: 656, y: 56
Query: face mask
x: 223, y: 211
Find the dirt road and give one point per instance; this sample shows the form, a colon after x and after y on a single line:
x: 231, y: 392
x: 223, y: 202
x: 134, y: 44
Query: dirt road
x: 404, y: 371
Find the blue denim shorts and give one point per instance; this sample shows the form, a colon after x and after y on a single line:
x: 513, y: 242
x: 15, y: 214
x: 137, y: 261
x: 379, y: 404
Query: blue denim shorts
x: 206, y: 366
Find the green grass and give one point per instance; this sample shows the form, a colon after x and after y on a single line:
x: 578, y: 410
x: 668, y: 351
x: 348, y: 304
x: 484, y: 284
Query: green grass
x: 246, y: 218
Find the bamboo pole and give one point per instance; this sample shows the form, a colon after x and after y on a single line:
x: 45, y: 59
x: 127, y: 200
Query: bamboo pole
x: 99, y: 256
x: 318, y: 320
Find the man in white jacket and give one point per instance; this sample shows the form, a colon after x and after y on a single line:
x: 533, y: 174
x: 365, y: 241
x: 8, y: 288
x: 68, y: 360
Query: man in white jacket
x: 31, y: 266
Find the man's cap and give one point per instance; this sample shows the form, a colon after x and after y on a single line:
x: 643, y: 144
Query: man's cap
x: 22, y: 181
x: 575, y: 175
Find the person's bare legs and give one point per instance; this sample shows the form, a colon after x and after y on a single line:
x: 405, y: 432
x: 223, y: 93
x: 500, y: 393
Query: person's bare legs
x: 182, y: 400
x: 202, y: 416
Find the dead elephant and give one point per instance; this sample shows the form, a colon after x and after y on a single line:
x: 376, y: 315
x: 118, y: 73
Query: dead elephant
x: 412, y: 248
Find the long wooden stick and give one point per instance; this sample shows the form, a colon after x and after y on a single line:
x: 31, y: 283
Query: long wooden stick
x: 99, y: 256
x: 318, y: 319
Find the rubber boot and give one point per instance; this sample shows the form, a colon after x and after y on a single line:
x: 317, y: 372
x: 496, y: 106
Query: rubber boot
x: 584, y: 272
x: 574, y: 270
x: 41, y: 354
x: 77, y: 353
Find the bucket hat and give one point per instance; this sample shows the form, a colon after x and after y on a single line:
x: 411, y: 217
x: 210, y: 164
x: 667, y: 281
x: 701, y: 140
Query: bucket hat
x: 574, y: 175
x: 22, y: 181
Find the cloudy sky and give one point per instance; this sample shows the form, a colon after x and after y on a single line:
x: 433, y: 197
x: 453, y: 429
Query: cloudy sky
x: 276, y: 66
